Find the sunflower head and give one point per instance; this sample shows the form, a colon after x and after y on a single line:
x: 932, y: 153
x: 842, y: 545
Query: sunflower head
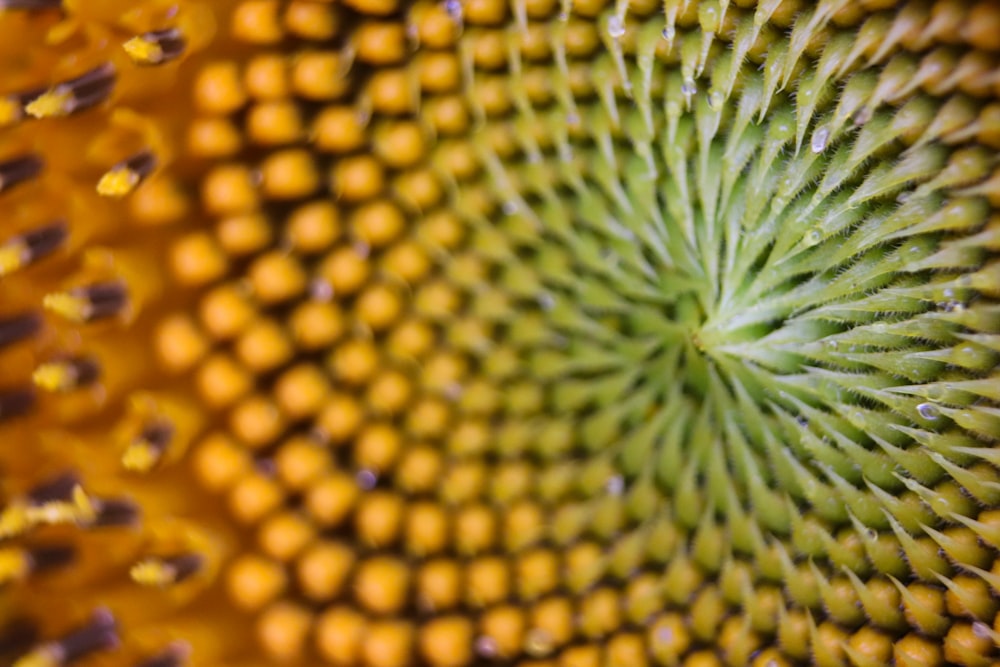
x: 544, y: 333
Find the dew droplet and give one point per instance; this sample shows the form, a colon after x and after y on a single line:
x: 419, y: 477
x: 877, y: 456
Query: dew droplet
x: 981, y: 630
x: 819, y: 139
x: 689, y: 87
x: 616, y: 28
x: 812, y: 238
x: 454, y: 9
x: 486, y: 646
x: 546, y: 301
x: 669, y: 32
x: 538, y: 643
x: 716, y: 98
x: 615, y: 485
x: 665, y: 635
x: 509, y: 207
x: 320, y: 290
x: 928, y: 411
x: 366, y: 479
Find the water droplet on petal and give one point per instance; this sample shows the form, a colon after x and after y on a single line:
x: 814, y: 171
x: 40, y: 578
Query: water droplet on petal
x: 669, y: 32
x: 616, y: 28
x: 819, y: 139
x: 928, y: 411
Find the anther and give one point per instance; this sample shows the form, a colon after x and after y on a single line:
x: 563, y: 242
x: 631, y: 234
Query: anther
x: 166, y: 571
x: 99, y: 634
x: 156, y: 47
x: 74, y: 95
x: 18, y: 328
x: 18, y: 170
x: 16, y: 563
x: 92, y: 302
x: 115, y: 512
x: 23, y: 249
x: 66, y: 374
x: 146, y: 450
x: 61, y: 501
x: 123, y: 178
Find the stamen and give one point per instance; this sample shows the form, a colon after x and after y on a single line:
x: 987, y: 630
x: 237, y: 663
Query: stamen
x: 146, y: 450
x: 16, y: 563
x: 66, y: 489
x: 93, y: 302
x: 123, y: 178
x: 66, y: 375
x: 16, y: 329
x: 99, y: 634
x: 23, y: 249
x: 116, y: 512
x: 74, y: 95
x: 58, y: 488
x: 53, y: 503
x: 156, y: 47
x: 18, y: 170
x: 166, y: 571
